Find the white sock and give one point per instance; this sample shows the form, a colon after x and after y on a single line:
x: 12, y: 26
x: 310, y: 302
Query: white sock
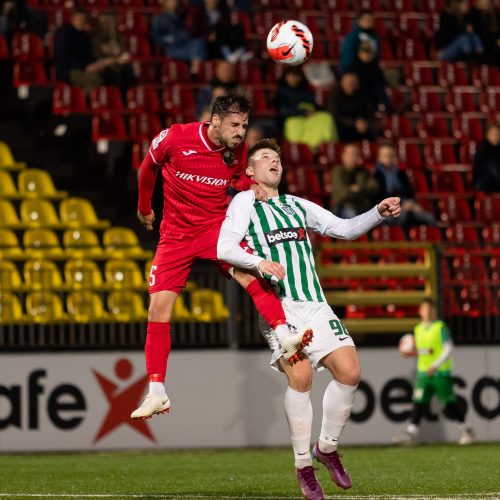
x: 337, y: 405
x: 282, y: 331
x: 299, y: 413
x: 157, y: 388
x: 412, y: 429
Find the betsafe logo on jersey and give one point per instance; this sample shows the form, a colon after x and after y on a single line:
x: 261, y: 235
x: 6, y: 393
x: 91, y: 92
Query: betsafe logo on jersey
x: 285, y: 234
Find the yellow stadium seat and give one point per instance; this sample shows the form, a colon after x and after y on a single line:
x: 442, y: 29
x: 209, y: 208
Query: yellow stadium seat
x: 45, y: 307
x: 10, y: 308
x: 7, y: 160
x: 39, y: 213
x: 7, y: 187
x: 125, y: 305
x: 34, y: 183
x: 85, y: 306
x: 42, y: 275
x: 123, y: 242
x: 10, y: 279
x: 180, y: 312
x: 78, y: 212
x: 208, y: 305
x: 8, y: 216
x: 42, y: 243
x: 124, y: 274
x: 9, y: 245
x: 82, y: 242
x: 83, y: 274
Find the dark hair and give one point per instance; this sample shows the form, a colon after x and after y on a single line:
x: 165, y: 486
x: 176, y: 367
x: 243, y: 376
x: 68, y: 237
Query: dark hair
x: 264, y: 144
x: 431, y: 302
x: 364, y: 12
x: 79, y: 11
x: 235, y: 102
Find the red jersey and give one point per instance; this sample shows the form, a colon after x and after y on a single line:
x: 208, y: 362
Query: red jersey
x: 195, y: 179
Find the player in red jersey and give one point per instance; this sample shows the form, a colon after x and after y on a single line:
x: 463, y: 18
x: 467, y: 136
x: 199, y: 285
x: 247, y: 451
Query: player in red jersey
x: 198, y: 161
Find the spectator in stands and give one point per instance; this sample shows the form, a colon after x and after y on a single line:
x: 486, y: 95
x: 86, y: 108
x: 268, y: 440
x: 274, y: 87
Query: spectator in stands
x: 16, y: 15
x: 74, y: 57
x: 298, y: 115
x: 108, y: 44
x: 364, y: 31
x: 352, y: 110
x: 254, y: 135
x: 224, y: 36
x: 486, y: 22
x: 370, y: 76
x: 456, y: 39
x: 223, y: 82
x: 392, y: 179
x: 353, y: 187
x: 170, y: 33
x: 487, y: 161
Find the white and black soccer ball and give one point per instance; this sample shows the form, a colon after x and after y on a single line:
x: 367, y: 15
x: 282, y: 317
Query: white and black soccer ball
x: 290, y: 42
x: 406, y: 344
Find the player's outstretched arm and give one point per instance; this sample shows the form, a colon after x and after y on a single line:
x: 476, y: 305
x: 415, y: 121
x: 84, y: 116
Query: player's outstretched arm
x: 390, y: 207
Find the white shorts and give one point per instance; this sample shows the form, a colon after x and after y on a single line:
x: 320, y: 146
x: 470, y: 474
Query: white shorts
x: 329, y: 333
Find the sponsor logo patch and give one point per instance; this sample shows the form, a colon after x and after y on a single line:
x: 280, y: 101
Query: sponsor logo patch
x: 285, y: 235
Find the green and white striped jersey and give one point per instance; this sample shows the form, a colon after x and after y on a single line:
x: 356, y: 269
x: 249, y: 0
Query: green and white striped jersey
x: 276, y: 230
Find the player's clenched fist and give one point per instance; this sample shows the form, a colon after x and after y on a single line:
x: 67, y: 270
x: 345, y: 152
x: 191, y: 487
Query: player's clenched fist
x: 272, y: 269
x: 390, y: 207
x: 147, y: 220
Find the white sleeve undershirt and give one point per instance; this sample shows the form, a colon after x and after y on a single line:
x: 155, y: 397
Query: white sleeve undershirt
x: 447, y: 349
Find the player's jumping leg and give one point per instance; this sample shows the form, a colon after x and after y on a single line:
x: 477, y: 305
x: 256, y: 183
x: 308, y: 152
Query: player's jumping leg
x: 157, y: 351
x: 270, y: 308
x: 338, y: 401
x: 299, y: 414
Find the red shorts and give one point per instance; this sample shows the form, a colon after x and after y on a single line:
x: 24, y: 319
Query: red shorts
x: 174, y: 259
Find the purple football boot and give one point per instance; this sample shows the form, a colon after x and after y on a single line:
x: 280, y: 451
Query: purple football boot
x: 332, y: 462
x: 309, y: 485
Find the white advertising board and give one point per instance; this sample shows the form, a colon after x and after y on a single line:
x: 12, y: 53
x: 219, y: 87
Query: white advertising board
x: 221, y: 398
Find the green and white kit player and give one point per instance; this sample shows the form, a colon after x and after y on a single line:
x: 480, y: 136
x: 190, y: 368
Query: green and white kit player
x: 433, y: 348
x: 276, y: 232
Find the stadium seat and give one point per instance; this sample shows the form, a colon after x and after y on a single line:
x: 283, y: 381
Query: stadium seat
x: 132, y: 21
x: 462, y: 235
x: 8, y: 216
x: 208, y: 306
x: 419, y: 181
x: 79, y: 212
x: 476, y: 301
x: 429, y: 98
x: 487, y: 208
x: 180, y: 312
x: 42, y: 274
x: 388, y: 233
x: 449, y: 182
x: 178, y: 99
x: 143, y: 99
x: 123, y: 242
x: 124, y: 274
x: 144, y: 126
x: 7, y: 187
x: 490, y: 99
x: 486, y: 76
x: 82, y: 243
x: 468, y: 268
x: 82, y: 273
x: 68, y: 100
x: 410, y: 152
x: 34, y: 183
x: 39, y: 213
x: 419, y: 73
x: 452, y: 209
x: 146, y: 71
x: 29, y: 73
x: 173, y: 71
x: 44, y: 307
x: 10, y: 308
x: 108, y: 126
x: 138, y: 46
x: 86, y: 306
x: 470, y: 125
x: 453, y: 74
x: 409, y: 49
x: 464, y: 99
x: 27, y: 46
x: 442, y: 151
x: 125, y: 305
x: 10, y: 279
x: 139, y: 151
x: 7, y: 161
x: 42, y: 243
x: 9, y: 245
x: 106, y: 99
x: 412, y: 24
x: 435, y: 125
x: 491, y: 236
x: 425, y: 233
x: 4, y: 48
x: 396, y: 126
x: 297, y: 153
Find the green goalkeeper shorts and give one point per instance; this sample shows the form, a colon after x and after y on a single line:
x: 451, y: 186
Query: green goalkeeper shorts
x: 439, y: 384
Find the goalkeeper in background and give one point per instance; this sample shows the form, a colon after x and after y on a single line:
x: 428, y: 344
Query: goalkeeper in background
x: 433, y: 348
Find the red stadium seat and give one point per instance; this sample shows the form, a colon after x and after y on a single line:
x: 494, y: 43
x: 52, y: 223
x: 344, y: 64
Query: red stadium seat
x: 173, y: 71
x: 410, y: 152
x: 470, y: 126
x: 462, y: 235
x: 464, y: 99
x: 108, y: 126
x: 340, y: 22
x: 106, y: 99
x: 29, y: 73
x: 421, y: 73
x: 451, y: 74
x: 248, y: 72
x: 468, y: 268
x: 487, y: 208
x: 297, y: 153
x: 425, y: 233
x: 146, y: 71
x: 4, y: 48
x: 401, y: 98
x: 328, y: 153
x: 388, y: 233
x: 435, y: 125
x: 144, y: 126
x: 179, y: 99
x: 419, y: 181
x: 396, y: 126
x: 476, y: 301
x: 452, y: 209
x: 490, y: 100
x: 486, y: 76
x: 132, y: 21
x: 139, y: 151
x: 386, y: 51
x: 411, y: 50
x: 27, y: 46
x: 449, y: 182
x: 67, y: 100
x: 413, y: 25
x: 442, y: 151
x: 143, y: 99
x: 400, y: 5
x: 139, y: 47
x: 491, y: 235
x: 430, y: 98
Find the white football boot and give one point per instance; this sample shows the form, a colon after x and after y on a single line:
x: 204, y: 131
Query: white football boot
x: 152, y: 405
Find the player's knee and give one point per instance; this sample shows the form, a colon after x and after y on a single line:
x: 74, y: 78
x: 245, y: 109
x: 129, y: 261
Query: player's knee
x: 350, y: 374
x: 300, y: 381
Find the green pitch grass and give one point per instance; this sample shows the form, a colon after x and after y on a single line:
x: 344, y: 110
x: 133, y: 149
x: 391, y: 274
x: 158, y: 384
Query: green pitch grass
x: 441, y: 471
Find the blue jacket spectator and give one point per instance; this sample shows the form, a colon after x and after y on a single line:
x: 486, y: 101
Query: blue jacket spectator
x: 364, y: 31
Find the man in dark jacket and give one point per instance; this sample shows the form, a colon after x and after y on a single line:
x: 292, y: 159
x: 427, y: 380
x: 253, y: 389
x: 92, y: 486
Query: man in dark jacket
x: 487, y: 161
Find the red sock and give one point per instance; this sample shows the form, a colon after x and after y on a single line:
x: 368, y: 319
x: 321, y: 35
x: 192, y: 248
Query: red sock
x: 157, y: 349
x: 266, y: 302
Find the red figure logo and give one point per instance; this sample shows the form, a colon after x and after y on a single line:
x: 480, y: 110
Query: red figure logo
x: 302, y: 233
x: 122, y: 402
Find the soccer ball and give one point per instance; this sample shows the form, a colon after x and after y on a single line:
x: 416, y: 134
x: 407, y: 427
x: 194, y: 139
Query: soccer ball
x: 407, y: 344
x: 290, y: 42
